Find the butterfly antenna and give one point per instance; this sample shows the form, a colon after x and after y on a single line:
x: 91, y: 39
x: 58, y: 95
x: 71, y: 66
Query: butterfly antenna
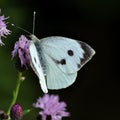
x: 21, y: 28
x: 34, y: 13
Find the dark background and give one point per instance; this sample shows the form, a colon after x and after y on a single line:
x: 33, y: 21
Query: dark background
x: 96, y: 93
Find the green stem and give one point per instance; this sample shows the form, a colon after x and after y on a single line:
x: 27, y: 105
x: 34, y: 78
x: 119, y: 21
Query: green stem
x: 15, y: 93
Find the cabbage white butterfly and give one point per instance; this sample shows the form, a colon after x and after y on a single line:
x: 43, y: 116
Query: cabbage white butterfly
x: 56, y: 60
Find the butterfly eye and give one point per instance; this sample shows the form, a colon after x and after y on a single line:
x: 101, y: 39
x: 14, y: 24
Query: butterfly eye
x: 70, y: 53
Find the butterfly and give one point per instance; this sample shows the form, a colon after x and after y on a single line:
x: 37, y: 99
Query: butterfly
x: 56, y: 60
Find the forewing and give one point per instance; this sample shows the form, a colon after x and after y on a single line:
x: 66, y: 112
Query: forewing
x: 68, y: 54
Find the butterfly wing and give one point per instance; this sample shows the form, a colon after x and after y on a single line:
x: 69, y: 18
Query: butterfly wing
x: 56, y: 78
x: 36, y: 66
x: 69, y: 55
x: 63, y: 58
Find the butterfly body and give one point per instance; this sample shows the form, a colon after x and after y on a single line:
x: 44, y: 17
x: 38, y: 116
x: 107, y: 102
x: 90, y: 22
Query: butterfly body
x: 56, y: 60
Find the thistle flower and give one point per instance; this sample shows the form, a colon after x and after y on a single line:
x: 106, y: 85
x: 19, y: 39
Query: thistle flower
x: 21, y: 49
x: 51, y: 107
x: 3, y: 28
x: 16, y: 112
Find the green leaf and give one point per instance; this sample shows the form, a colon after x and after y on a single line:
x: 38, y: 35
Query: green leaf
x: 27, y: 111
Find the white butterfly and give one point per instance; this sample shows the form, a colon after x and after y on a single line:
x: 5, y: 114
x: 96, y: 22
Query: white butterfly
x: 56, y: 60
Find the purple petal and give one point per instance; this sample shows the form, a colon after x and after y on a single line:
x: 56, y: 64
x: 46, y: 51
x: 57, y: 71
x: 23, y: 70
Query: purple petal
x: 3, y: 29
x: 50, y: 105
x: 21, y: 48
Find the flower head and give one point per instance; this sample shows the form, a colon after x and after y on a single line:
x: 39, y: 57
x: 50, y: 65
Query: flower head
x: 16, y: 112
x: 51, y: 106
x: 21, y: 49
x: 3, y: 29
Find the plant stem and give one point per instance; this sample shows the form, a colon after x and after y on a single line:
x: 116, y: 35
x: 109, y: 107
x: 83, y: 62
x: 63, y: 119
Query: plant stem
x: 15, y: 92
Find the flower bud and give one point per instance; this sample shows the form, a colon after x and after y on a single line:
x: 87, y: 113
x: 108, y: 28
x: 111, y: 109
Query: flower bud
x: 16, y: 112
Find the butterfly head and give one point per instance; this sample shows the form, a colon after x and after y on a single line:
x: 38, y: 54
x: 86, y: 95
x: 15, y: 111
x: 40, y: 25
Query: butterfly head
x: 33, y: 37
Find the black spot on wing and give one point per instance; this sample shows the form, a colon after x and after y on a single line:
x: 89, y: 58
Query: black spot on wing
x: 70, y: 52
x: 62, y: 61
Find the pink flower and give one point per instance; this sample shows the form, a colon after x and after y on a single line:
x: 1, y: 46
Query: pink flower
x: 3, y: 29
x: 21, y: 49
x: 51, y: 106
